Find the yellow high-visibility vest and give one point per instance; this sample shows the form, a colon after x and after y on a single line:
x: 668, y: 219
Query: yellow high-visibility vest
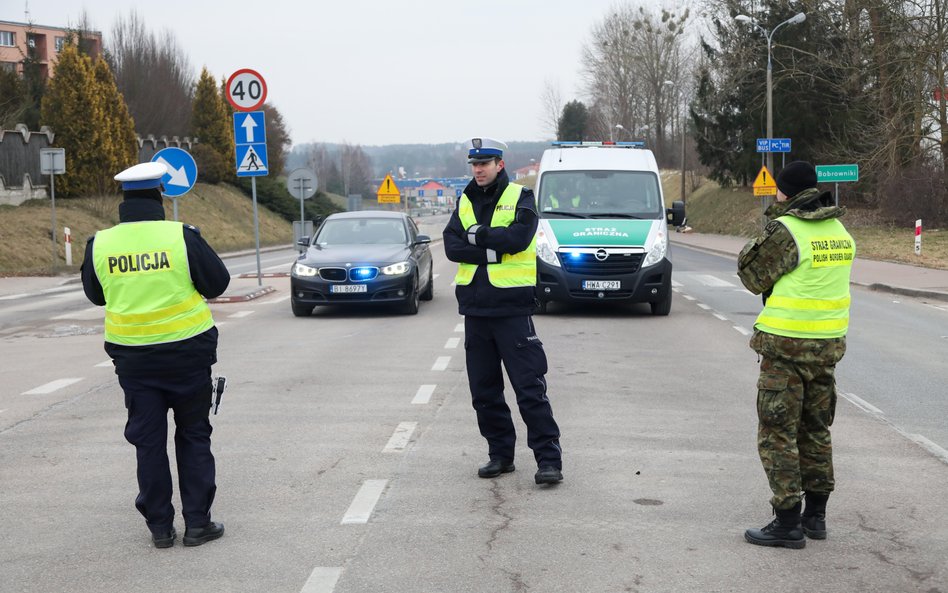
x: 518, y: 269
x: 812, y: 301
x: 149, y: 296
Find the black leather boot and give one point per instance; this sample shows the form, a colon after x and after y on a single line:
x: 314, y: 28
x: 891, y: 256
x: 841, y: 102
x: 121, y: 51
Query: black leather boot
x: 814, y: 515
x: 783, y: 532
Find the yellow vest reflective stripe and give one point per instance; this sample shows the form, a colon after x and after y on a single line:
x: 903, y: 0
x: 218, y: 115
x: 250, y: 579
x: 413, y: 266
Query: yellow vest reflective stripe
x: 517, y: 269
x: 150, y: 299
x: 556, y: 203
x: 812, y: 301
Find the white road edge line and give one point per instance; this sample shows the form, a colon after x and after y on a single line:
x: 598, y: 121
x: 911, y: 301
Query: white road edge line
x: 400, y: 437
x: 452, y: 343
x: 52, y: 386
x: 742, y: 330
x: 423, y: 395
x: 322, y: 580
x: 364, y: 502
x: 239, y: 314
x: 441, y: 363
x: 862, y: 404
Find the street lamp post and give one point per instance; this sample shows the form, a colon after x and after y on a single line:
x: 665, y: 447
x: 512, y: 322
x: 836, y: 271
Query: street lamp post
x: 681, y: 131
x: 619, y: 127
x: 794, y: 20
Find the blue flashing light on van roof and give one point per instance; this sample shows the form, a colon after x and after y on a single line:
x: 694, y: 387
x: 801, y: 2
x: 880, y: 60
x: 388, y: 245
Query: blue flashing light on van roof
x: 577, y: 144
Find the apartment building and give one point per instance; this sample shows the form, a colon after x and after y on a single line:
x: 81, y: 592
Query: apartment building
x: 17, y: 38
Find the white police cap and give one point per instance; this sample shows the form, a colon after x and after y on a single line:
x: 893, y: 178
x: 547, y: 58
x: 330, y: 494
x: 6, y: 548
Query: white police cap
x: 481, y: 150
x: 142, y: 176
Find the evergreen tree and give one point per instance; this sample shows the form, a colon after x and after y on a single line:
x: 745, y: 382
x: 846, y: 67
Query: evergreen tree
x: 119, y: 132
x: 73, y: 108
x: 211, y: 120
x: 572, y: 123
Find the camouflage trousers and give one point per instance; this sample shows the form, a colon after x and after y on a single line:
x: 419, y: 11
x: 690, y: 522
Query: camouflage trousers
x: 796, y: 403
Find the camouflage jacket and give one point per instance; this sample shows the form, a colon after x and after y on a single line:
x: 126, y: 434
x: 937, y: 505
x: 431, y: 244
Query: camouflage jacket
x: 774, y: 253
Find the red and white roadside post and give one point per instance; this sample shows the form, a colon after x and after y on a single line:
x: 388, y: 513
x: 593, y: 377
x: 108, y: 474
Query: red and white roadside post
x: 68, y: 245
x: 918, y: 237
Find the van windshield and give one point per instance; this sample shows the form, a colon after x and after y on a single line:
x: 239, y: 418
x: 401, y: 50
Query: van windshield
x: 600, y: 194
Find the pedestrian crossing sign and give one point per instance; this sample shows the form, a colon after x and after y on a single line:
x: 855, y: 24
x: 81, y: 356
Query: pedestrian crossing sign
x: 765, y: 185
x: 251, y: 160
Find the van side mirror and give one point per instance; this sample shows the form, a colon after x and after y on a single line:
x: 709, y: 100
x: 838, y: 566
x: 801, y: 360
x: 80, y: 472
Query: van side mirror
x: 676, y: 214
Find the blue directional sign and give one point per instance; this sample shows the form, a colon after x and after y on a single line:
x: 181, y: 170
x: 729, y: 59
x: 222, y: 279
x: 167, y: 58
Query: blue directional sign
x: 250, y: 140
x: 773, y: 145
x: 182, y: 170
x: 458, y: 192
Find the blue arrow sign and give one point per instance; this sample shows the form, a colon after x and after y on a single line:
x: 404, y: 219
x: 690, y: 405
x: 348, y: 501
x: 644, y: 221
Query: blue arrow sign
x: 250, y: 140
x: 249, y: 128
x: 182, y: 171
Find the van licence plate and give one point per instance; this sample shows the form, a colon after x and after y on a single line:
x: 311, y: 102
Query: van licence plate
x: 601, y: 284
x: 348, y: 288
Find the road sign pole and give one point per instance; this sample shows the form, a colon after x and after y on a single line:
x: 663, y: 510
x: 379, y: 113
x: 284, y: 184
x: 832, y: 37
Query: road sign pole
x: 302, y: 224
x: 256, y: 228
x: 837, y: 194
x: 52, y: 197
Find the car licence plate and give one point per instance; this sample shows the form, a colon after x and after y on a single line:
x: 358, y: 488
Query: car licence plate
x: 601, y: 284
x: 348, y: 288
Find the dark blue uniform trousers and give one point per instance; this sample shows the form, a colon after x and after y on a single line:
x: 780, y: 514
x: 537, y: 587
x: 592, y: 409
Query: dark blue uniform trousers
x: 148, y: 399
x: 488, y: 342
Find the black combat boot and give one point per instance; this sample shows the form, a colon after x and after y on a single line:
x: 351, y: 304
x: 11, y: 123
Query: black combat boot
x: 782, y: 532
x: 814, y: 515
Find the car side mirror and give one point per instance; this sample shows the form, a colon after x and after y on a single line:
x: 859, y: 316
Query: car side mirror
x: 422, y: 240
x: 303, y: 242
x: 676, y: 214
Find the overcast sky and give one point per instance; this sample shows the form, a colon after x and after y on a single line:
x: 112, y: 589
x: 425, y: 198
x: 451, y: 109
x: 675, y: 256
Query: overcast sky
x: 375, y: 72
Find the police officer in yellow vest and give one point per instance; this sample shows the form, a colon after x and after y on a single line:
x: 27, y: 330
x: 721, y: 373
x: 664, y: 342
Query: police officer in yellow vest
x: 491, y: 236
x: 801, y: 264
x: 152, y: 275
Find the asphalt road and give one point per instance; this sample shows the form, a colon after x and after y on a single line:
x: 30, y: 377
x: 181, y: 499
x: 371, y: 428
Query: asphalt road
x: 347, y: 452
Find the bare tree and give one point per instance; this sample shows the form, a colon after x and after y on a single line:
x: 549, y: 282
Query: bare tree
x: 552, y: 102
x: 631, y: 54
x: 154, y: 75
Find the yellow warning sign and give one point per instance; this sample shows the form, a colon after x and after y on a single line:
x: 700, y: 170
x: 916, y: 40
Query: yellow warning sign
x: 388, y: 192
x: 765, y: 185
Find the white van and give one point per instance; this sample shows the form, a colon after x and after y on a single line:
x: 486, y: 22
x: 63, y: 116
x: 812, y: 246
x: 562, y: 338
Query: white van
x: 603, y: 234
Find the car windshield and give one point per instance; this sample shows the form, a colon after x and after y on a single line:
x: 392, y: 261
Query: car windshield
x: 361, y: 231
x: 600, y: 194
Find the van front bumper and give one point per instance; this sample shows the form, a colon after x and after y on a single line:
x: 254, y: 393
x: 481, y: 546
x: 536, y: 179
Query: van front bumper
x: 644, y: 285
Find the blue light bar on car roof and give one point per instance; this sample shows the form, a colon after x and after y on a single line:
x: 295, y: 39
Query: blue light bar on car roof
x: 575, y: 144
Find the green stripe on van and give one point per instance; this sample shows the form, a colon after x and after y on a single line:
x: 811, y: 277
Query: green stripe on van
x: 601, y: 233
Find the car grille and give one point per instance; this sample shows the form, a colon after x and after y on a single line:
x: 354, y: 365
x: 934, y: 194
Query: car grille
x: 587, y: 264
x: 357, y: 274
x: 333, y: 274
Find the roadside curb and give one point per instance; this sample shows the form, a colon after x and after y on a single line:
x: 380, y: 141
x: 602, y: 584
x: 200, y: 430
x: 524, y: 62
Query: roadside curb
x: 912, y: 292
x: 246, y: 295
x: 265, y: 275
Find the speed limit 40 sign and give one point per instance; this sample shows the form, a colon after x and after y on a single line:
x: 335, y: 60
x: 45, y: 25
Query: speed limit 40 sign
x: 246, y: 90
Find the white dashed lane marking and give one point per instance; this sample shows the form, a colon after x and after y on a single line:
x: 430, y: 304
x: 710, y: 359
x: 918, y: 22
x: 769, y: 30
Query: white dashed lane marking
x: 452, y: 343
x: 322, y: 580
x: 441, y: 363
x: 459, y: 327
x: 364, y: 502
x: 719, y: 316
x: 746, y: 332
x: 423, y: 395
x: 51, y: 386
x: 105, y: 363
x: 703, y: 306
x: 240, y: 314
x: 400, y: 437
x: 87, y: 314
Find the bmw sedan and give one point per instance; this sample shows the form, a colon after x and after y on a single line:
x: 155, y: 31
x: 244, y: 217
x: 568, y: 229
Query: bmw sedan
x: 365, y: 257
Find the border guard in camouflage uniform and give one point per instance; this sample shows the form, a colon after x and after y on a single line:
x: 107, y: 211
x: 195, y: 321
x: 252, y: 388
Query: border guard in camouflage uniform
x: 801, y: 265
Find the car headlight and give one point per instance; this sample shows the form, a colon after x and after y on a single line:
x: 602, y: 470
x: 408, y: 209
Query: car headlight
x: 401, y: 267
x: 304, y: 270
x: 545, y: 251
x: 657, y: 252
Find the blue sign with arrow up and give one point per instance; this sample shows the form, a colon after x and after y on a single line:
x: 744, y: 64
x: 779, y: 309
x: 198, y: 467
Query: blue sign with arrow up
x: 250, y: 140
